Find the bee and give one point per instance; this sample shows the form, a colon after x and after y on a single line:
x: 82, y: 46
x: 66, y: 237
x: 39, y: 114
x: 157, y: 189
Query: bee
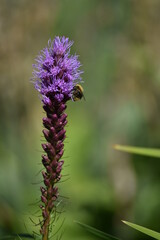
x: 77, y: 93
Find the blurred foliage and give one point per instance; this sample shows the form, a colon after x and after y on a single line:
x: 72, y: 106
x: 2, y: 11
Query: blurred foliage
x: 149, y: 152
x: 144, y: 230
x: 96, y: 232
x: 118, y: 44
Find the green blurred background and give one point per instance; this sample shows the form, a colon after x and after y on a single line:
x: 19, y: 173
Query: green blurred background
x: 118, y: 42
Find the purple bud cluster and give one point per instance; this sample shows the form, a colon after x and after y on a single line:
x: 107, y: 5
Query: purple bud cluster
x: 54, y: 134
x: 55, y: 75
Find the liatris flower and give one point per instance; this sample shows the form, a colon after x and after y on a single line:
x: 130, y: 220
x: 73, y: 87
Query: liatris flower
x: 56, y: 74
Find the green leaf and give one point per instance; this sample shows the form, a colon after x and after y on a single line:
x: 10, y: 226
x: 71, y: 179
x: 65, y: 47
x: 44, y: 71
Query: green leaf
x: 13, y: 236
x: 144, y: 230
x: 25, y: 235
x: 97, y: 232
x: 19, y: 238
x: 150, y: 152
x: 6, y: 237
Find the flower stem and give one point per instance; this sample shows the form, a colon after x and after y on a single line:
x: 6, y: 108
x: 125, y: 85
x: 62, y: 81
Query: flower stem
x: 46, y: 228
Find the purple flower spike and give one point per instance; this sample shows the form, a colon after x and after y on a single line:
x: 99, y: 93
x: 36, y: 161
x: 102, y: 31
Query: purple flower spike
x: 55, y: 73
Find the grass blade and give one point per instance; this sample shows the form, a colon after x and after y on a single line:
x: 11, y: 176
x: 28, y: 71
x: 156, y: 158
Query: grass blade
x: 144, y: 230
x: 149, y: 152
x: 12, y: 236
x: 97, y: 232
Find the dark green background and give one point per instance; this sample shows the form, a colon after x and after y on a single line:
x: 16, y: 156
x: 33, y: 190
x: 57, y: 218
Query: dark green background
x: 118, y: 42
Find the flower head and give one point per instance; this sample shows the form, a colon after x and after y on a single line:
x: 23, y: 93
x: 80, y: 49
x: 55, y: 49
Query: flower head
x: 56, y: 71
